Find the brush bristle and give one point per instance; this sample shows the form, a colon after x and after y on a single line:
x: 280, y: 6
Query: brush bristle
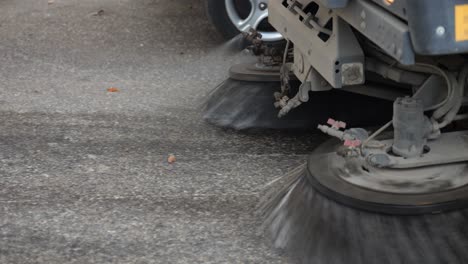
x: 314, y: 229
x: 244, y: 105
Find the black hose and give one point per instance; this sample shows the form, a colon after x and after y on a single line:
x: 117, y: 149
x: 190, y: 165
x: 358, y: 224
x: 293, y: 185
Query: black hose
x: 395, y: 74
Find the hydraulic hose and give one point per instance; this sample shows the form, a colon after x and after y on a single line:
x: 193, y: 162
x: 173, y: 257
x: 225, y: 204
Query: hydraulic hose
x: 394, y: 73
x: 451, y: 99
x: 448, y: 80
x: 459, y: 93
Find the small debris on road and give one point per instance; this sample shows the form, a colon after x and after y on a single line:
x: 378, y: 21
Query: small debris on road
x: 98, y: 13
x: 112, y: 90
x: 171, y: 159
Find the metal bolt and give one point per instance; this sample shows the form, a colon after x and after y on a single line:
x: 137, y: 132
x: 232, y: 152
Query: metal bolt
x: 379, y: 160
x: 363, y: 25
x: 440, y: 31
x: 262, y: 6
x: 300, y: 63
x: 393, y: 48
x: 399, y: 53
x: 363, y: 14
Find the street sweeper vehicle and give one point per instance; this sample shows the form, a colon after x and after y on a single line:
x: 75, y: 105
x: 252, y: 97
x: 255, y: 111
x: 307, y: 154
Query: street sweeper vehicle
x: 397, y: 193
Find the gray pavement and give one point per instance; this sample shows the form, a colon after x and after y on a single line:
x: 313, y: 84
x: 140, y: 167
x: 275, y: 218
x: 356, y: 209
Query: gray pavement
x: 84, y: 176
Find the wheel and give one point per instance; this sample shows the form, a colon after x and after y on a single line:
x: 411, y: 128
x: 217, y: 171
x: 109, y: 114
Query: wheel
x: 230, y: 17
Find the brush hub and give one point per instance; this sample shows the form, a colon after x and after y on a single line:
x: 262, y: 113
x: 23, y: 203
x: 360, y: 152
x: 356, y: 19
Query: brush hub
x: 357, y: 171
x: 352, y: 181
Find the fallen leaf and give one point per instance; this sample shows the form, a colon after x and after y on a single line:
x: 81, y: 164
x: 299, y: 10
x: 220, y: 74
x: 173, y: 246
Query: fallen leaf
x: 112, y: 90
x: 171, y: 159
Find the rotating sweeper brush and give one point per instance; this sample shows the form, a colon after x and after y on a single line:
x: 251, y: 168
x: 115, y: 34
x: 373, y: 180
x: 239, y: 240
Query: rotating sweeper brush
x: 398, y: 194
x: 251, y: 97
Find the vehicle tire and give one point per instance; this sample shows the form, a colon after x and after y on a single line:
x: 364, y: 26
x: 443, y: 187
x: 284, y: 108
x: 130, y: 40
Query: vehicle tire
x: 230, y: 17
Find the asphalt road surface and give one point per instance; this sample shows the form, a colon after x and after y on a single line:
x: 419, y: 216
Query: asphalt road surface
x: 84, y: 176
